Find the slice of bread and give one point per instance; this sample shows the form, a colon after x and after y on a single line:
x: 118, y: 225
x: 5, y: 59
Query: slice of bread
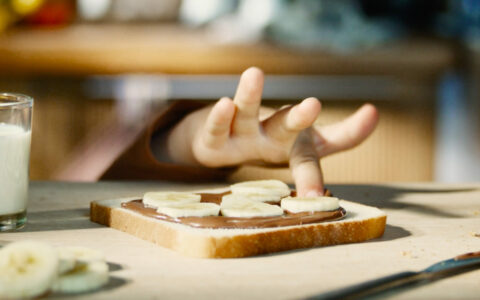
x: 361, y: 223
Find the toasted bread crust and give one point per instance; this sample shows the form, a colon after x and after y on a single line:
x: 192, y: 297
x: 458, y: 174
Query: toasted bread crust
x: 239, y: 245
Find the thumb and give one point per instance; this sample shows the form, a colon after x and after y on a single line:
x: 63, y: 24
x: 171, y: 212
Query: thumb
x: 347, y: 133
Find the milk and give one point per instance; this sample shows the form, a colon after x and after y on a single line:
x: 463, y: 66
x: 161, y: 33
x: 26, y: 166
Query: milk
x: 14, y: 154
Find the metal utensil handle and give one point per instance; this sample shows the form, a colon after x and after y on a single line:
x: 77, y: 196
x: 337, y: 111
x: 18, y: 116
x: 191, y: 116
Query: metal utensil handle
x: 366, y: 288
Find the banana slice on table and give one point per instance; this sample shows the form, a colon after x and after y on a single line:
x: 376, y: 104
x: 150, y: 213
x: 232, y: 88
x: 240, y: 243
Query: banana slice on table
x: 262, y: 190
x: 302, y: 204
x: 27, y: 269
x: 190, y: 210
x: 242, y: 207
x: 72, y: 256
x: 83, y: 278
x: 159, y: 199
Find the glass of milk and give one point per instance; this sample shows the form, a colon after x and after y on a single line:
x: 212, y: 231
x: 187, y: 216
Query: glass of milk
x: 15, y: 133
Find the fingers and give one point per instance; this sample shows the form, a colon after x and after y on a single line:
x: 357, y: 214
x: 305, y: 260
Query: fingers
x: 347, y: 133
x: 247, y: 100
x: 305, y: 166
x: 216, y: 130
x: 285, y: 124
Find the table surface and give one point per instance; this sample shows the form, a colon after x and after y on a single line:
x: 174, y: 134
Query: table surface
x: 113, y: 48
x: 426, y: 223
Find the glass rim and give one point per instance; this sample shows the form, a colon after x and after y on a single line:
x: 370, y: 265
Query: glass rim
x: 15, y: 99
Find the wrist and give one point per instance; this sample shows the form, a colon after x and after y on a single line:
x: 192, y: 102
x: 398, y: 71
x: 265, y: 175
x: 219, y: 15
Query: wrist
x: 169, y: 137
x: 179, y: 143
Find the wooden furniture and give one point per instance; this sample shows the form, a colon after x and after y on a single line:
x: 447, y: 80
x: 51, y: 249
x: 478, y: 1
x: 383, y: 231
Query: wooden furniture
x: 426, y: 223
x: 118, y: 49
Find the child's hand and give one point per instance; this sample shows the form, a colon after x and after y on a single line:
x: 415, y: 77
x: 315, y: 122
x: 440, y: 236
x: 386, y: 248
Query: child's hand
x: 231, y: 132
x: 234, y: 132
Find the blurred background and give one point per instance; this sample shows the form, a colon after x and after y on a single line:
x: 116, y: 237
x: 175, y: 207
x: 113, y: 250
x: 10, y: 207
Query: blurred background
x: 99, y: 68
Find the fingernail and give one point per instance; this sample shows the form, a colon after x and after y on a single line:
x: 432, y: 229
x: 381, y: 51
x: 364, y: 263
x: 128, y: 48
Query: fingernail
x: 312, y: 194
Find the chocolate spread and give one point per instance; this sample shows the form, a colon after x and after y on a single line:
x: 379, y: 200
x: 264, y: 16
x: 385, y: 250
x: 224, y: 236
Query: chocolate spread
x: 286, y: 219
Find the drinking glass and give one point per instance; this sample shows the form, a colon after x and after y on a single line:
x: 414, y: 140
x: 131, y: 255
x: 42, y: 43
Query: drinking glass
x: 15, y: 136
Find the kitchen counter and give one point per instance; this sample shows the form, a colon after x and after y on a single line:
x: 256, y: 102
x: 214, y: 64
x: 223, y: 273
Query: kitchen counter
x: 426, y: 223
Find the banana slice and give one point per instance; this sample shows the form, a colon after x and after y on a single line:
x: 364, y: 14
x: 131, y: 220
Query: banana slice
x: 190, y: 210
x: 242, y: 207
x: 301, y: 204
x: 255, y: 197
x: 262, y: 190
x: 70, y: 257
x: 83, y: 278
x: 159, y: 199
x: 27, y: 269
